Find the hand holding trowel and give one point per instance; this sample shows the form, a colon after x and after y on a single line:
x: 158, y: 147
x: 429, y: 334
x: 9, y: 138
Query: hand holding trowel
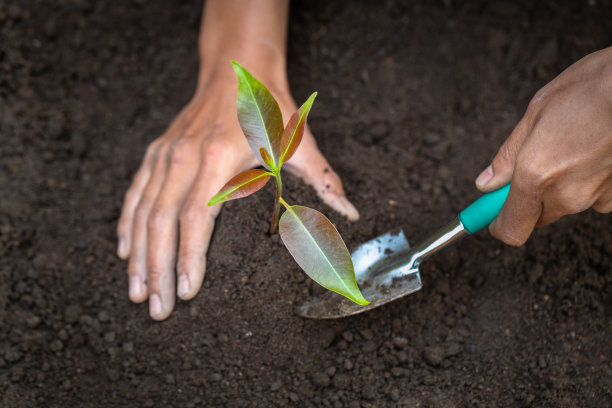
x: 387, y: 268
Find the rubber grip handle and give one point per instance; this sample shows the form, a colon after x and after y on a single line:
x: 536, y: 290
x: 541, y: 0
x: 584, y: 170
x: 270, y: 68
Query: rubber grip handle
x: 484, y: 210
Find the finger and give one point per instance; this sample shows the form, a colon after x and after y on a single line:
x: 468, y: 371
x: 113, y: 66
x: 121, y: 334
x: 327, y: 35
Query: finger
x: 162, y: 228
x: 137, y: 266
x: 519, y: 215
x: 501, y: 169
x: 197, y: 222
x: 131, y: 200
x: 310, y: 165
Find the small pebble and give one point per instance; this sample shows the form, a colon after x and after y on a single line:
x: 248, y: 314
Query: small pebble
x: 348, y: 365
x: 113, y: 374
x: 341, y: 381
x: 348, y: 336
x: 368, y: 346
x: 395, y: 394
x: 56, y: 345
x: 32, y: 321
x: 433, y: 355
x: 320, y: 379
x: 63, y: 334
x: 72, y: 314
x: 368, y: 392
x: 276, y: 385
x: 431, y: 139
x: 451, y: 348
x: 17, y: 374
x: 367, y: 334
x: 86, y: 320
x: 400, y: 342
x: 103, y: 316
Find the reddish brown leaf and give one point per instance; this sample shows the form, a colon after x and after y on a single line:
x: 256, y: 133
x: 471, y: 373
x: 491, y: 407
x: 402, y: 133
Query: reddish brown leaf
x: 242, y: 185
x: 292, y: 135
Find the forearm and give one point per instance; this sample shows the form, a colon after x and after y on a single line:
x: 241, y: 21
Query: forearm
x: 252, y: 32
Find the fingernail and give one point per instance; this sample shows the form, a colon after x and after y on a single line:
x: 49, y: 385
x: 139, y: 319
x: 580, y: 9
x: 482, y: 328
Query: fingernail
x: 183, y: 286
x: 155, y: 305
x: 349, y: 209
x: 121, y: 247
x: 135, y: 287
x: 484, y: 177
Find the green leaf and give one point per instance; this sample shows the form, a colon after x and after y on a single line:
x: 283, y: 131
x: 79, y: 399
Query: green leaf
x: 292, y: 135
x: 317, y: 247
x: 242, y: 185
x: 259, y: 115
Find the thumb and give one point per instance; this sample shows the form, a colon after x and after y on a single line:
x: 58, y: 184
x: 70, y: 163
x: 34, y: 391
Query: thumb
x: 500, y: 171
x: 310, y: 165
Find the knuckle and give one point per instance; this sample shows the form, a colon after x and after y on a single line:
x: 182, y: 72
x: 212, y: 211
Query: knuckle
x: 155, y: 273
x: 216, y: 150
x: 158, y: 219
x: 142, y: 212
x: 153, y: 149
x: 576, y: 204
x: 538, y: 99
x: 506, y: 153
x: 569, y: 199
x: 534, y: 174
x: 189, y: 214
x: 186, y: 261
x: 180, y: 151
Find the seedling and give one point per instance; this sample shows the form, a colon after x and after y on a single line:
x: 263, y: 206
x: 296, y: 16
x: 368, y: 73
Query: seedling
x: 310, y: 237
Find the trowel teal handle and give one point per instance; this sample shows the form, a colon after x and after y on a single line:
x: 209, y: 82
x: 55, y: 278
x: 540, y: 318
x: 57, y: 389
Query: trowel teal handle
x: 483, y: 211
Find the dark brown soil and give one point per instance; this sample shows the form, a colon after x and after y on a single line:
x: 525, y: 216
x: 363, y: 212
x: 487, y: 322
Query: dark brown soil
x: 414, y: 100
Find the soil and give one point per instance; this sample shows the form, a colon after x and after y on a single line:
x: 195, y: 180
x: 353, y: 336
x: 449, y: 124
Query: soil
x: 414, y: 100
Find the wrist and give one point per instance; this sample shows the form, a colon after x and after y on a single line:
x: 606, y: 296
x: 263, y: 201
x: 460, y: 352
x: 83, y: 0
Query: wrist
x: 261, y: 59
x: 251, y: 33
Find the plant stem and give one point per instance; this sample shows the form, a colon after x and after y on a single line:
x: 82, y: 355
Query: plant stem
x: 277, y: 202
x: 284, y: 203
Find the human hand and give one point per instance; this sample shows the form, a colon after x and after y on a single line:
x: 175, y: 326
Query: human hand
x: 166, y: 224
x: 559, y: 156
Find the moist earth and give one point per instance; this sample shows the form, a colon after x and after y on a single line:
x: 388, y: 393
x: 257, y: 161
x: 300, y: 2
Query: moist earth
x: 414, y: 100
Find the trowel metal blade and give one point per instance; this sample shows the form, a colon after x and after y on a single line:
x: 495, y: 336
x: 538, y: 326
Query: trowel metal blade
x: 381, y: 276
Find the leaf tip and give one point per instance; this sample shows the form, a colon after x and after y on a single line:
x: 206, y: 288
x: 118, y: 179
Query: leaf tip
x: 238, y: 69
x: 362, y: 301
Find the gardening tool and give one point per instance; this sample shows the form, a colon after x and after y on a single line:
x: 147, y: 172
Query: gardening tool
x: 387, y: 268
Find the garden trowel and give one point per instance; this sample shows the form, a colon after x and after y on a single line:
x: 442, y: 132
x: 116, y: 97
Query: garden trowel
x: 387, y: 268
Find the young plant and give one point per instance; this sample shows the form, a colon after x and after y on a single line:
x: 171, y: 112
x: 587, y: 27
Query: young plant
x: 310, y: 237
